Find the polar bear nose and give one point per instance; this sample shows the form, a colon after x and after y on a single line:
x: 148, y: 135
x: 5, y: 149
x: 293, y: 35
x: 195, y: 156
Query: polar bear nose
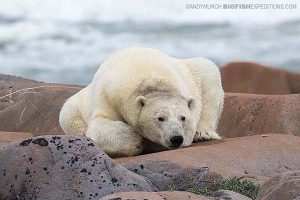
x: 176, y: 141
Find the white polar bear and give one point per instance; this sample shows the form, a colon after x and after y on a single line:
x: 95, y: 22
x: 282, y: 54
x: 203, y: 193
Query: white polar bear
x: 143, y: 93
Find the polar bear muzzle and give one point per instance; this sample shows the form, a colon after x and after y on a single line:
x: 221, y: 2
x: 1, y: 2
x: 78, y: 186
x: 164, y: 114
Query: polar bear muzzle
x: 173, y: 137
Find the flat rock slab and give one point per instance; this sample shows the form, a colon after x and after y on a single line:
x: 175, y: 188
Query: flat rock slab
x: 250, y: 156
x: 253, y: 78
x: 7, y: 138
x: 246, y: 114
x: 63, y: 167
x: 283, y: 186
x: 229, y: 195
x: 175, y: 195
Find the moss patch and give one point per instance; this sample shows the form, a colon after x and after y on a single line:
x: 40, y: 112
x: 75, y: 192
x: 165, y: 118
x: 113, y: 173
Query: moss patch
x: 243, y: 187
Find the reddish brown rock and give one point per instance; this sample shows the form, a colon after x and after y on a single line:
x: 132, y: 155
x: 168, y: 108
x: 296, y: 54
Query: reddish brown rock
x: 29, y: 106
x: 175, y: 195
x: 229, y: 195
x: 7, y: 138
x: 294, y: 82
x: 248, y: 114
x: 9, y: 83
x: 36, y: 110
x: 285, y: 186
x: 249, y: 156
x: 247, y: 77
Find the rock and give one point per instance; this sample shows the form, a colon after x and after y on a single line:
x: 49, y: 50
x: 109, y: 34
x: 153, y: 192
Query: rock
x: 249, y: 156
x: 247, y: 77
x: 8, y: 83
x: 166, y: 195
x: 248, y: 114
x: 63, y: 167
x: 7, y: 138
x: 160, y: 173
x: 166, y: 175
x: 29, y: 106
x: 175, y: 195
x: 285, y: 186
x: 36, y: 110
x: 226, y: 194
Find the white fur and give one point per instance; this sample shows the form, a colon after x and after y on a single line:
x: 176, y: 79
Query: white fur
x: 107, y: 110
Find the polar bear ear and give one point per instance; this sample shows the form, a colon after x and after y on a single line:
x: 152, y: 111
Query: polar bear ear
x: 191, y: 103
x: 141, y: 101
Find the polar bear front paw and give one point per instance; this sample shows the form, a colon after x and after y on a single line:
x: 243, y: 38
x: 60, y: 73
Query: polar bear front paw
x: 132, y: 147
x: 115, y: 138
x: 129, y: 142
x: 206, y: 135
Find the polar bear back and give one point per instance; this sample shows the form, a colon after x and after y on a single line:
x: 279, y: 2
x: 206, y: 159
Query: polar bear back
x: 131, y: 67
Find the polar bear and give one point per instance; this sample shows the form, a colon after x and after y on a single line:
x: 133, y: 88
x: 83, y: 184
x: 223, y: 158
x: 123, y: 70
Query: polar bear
x: 143, y: 93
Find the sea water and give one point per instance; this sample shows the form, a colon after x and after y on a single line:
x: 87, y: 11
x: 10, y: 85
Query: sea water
x: 66, y: 40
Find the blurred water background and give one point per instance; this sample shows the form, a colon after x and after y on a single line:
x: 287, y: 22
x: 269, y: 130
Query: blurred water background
x: 66, y: 40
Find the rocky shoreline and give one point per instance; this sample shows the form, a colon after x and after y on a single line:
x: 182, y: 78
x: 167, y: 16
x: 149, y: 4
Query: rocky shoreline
x: 259, y: 157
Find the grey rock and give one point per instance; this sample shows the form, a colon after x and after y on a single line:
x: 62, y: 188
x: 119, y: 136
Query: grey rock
x: 160, y: 173
x: 63, y: 167
x: 166, y: 175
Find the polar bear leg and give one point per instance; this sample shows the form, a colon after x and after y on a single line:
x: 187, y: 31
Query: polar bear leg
x: 211, y: 110
x: 70, y: 118
x: 212, y: 101
x: 115, y: 138
x: 208, y: 79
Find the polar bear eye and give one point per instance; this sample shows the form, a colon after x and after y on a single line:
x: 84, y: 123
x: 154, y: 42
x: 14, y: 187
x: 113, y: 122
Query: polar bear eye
x: 183, y: 119
x: 142, y: 103
x: 161, y: 119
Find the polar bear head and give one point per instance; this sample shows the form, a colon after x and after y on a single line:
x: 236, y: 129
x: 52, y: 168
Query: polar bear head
x: 166, y: 119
